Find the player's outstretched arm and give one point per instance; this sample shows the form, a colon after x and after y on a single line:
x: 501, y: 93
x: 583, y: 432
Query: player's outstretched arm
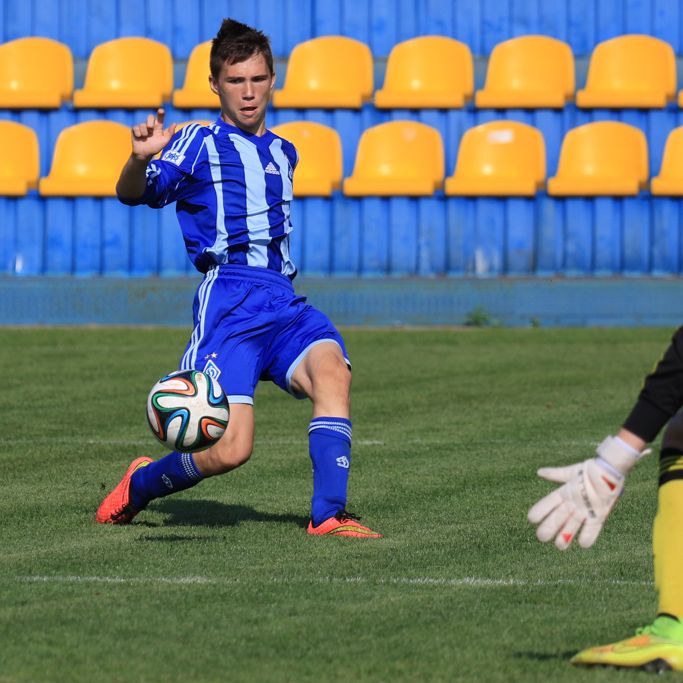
x: 589, y: 491
x: 148, y: 139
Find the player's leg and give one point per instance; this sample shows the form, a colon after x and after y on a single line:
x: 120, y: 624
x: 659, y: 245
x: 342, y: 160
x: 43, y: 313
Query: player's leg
x: 324, y: 376
x: 658, y: 646
x: 147, y: 479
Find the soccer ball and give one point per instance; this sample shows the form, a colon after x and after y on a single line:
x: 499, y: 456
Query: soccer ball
x: 187, y: 411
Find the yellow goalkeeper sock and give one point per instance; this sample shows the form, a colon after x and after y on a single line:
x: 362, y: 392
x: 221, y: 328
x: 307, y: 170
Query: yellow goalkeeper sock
x: 667, y: 536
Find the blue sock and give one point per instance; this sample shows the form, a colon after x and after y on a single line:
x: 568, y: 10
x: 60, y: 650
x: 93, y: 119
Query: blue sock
x: 172, y: 473
x: 329, y: 445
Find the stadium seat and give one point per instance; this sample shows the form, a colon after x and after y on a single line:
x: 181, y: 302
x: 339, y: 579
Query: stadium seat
x: 528, y: 72
x: 427, y: 72
x: 634, y: 71
x: 327, y: 72
x: 319, y: 171
x: 397, y: 158
x: 601, y: 158
x: 127, y: 72
x: 35, y: 73
x: 196, y: 93
x: 670, y: 179
x: 499, y: 158
x: 87, y: 160
x: 20, y: 159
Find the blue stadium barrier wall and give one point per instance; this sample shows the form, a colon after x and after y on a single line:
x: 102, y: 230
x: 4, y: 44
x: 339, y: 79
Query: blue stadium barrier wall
x: 368, y: 237
x: 181, y: 24
x: 399, y: 301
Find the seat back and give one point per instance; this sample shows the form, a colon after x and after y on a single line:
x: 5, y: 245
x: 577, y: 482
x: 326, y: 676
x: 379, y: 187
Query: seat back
x: 397, y: 158
x: 601, y: 158
x: 127, y: 72
x: 327, y: 72
x: 670, y: 178
x: 630, y: 71
x: 499, y: 158
x: 20, y: 159
x: 319, y: 171
x: 529, y: 71
x: 196, y: 92
x: 427, y: 71
x: 87, y: 159
x: 35, y: 73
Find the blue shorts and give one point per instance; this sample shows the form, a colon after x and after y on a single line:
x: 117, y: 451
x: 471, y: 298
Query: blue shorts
x: 250, y: 325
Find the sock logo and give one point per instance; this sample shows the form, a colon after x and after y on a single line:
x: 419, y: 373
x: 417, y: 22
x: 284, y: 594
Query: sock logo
x: 343, y: 461
x: 167, y: 481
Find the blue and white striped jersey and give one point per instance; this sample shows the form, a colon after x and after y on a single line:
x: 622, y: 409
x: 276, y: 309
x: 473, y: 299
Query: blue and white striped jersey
x: 232, y: 191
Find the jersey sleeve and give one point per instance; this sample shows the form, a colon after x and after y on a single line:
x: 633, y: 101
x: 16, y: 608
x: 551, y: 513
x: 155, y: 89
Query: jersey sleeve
x: 170, y: 176
x: 662, y: 393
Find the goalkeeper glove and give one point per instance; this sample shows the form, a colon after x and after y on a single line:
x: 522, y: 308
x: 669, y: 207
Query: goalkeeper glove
x: 590, y: 490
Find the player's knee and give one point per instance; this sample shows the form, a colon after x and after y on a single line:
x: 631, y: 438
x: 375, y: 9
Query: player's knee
x: 673, y: 435
x: 227, y: 454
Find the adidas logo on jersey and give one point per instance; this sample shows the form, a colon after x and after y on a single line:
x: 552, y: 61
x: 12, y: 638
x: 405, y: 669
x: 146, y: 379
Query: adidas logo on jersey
x: 272, y: 169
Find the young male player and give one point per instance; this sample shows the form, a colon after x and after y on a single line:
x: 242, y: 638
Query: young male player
x: 232, y: 184
x: 590, y: 490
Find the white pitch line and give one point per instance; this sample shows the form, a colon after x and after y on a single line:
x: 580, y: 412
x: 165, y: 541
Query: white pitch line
x: 464, y: 582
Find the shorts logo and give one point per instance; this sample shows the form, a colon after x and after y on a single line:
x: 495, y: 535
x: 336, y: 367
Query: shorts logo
x: 173, y: 157
x: 212, y: 370
x: 167, y: 481
x: 343, y: 461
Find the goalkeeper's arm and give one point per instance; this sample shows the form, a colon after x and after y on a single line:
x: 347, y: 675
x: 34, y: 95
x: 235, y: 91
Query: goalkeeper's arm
x: 591, y: 488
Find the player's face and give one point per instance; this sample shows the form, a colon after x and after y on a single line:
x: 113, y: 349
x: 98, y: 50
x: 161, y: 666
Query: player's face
x: 244, y: 91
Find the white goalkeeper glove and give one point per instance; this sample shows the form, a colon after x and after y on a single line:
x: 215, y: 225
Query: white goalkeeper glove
x: 590, y: 490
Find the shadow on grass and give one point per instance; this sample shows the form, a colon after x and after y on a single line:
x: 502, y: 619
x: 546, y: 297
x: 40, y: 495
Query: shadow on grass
x: 210, y: 513
x: 546, y: 656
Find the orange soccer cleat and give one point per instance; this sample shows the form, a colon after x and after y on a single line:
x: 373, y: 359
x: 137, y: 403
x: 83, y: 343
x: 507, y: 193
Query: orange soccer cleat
x: 116, y: 507
x: 342, y: 524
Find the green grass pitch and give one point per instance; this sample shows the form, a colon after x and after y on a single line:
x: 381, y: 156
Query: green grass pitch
x: 221, y: 582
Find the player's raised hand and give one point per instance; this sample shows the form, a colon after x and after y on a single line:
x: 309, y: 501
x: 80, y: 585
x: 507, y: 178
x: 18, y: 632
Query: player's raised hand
x: 589, y: 491
x: 150, y: 137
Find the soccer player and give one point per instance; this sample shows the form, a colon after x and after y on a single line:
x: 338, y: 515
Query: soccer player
x: 232, y: 184
x: 591, y: 488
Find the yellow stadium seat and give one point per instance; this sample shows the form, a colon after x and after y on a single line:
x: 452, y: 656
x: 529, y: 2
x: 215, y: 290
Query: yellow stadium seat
x: 427, y: 72
x: 20, y: 159
x: 528, y: 72
x: 630, y: 71
x: 87, y: 160
x: 319, y: 171
x: 670, y: 179
x: 601, y: 158
x: 127, y: 72
x: 499, y: 158
x: 397, y: 158
x: 181, y: 125
x: 196, y: 93
x: 327, y: 72
x: 35, y: 73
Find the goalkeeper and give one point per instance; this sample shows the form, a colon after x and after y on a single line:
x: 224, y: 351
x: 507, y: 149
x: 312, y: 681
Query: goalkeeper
x: 590, y: 489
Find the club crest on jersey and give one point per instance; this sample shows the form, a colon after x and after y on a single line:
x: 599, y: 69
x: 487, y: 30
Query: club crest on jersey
x: 212, y: 370
x: 271, y: 169
x: 173, y: 158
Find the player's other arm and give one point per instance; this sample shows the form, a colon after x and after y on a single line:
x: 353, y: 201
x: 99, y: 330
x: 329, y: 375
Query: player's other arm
x: 591, y: 488
x: 148, y: 139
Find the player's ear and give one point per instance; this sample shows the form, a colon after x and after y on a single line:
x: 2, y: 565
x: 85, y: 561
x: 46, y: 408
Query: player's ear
x: 213, y: 84
x: 272, y: 80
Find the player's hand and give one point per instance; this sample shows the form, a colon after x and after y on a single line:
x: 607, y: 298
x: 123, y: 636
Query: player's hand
x: 150, y: 137
x: 590, y: 490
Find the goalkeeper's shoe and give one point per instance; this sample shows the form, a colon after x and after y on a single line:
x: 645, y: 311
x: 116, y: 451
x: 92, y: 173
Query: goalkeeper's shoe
x: 655, y: 648
x: 116, y: 508
x: 342, y: 524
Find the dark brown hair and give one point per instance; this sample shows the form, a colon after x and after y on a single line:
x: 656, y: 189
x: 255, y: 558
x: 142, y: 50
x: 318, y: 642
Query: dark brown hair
x: 236, y: 42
